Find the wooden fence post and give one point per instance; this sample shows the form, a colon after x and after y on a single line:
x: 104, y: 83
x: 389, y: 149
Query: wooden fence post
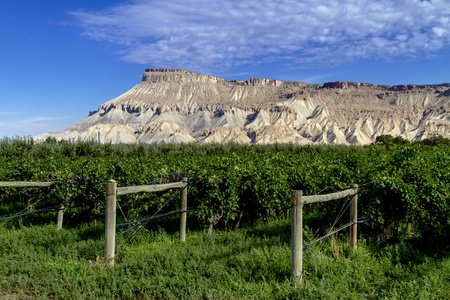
x: 297, y: 235
x: 354, y: 218
x: 183, y: 207
x: 59, y: 219
x: 110, y: 221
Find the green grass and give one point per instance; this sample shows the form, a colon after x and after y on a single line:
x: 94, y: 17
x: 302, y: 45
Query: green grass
x: 39, y: 262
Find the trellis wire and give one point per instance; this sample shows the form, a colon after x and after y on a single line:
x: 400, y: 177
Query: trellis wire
x: 336, y: 231
x: 144, y: 222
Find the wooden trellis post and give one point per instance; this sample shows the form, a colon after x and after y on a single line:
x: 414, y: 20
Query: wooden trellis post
x: 112, y: 191
x: 297, y: 235
x: 298, y: 200
x: 59, y: 219
x: 22, y: 184
x: 353, y: 219
x: 110, y: 222
x: 183, y: 207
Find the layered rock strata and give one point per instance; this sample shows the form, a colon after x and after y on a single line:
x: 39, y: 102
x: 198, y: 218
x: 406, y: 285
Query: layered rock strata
x: 178, y: 106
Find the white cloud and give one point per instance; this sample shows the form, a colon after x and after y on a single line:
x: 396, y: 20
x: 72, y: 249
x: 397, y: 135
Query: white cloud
x: 314, y: 78
x: 204, y: 34
x: 29, y: 126
x: 439, y: 31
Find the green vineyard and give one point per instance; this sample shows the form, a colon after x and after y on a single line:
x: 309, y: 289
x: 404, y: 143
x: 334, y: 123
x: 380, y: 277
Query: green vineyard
x: 242, y: 183
x: 234, y: 189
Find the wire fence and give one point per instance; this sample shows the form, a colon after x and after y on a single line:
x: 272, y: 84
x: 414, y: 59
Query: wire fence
x: 30, y: 212
x: 334, y: 232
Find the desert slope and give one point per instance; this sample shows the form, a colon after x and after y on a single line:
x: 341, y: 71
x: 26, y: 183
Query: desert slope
x: 172, y: 105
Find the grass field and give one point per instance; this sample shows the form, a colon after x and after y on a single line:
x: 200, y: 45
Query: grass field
x: 402, y: 251
x: 38, y: 262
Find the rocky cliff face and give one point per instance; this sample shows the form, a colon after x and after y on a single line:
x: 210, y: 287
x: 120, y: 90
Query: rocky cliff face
x: 172, y: 105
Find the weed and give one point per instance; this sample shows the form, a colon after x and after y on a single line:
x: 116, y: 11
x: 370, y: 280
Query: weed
x: 250, y: 263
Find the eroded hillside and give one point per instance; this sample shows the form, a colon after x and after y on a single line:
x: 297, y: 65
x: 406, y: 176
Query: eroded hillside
x: 172, y: 105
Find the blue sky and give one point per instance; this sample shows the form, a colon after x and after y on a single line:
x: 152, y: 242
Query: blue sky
x: 61, y: 59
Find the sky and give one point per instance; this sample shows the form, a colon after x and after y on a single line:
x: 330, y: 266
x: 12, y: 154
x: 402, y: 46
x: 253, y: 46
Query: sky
x: 61, y: 59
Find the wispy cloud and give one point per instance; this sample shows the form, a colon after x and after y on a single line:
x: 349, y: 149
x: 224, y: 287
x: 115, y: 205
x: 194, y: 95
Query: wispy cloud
x: 29, y: 126
x: 314, y: 78
x: 202, y: 35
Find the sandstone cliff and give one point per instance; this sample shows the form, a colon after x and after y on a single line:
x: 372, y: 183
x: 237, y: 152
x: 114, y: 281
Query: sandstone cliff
x: 172, y: 105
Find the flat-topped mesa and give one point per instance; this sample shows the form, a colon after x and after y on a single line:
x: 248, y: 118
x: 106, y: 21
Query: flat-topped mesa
x: 178, y: 76
x: 175, y: 105
x: 162, y: 70
x: 263, y: 82
x: 404, y: 88
x: 257, y: 82
x: 348, y: 85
